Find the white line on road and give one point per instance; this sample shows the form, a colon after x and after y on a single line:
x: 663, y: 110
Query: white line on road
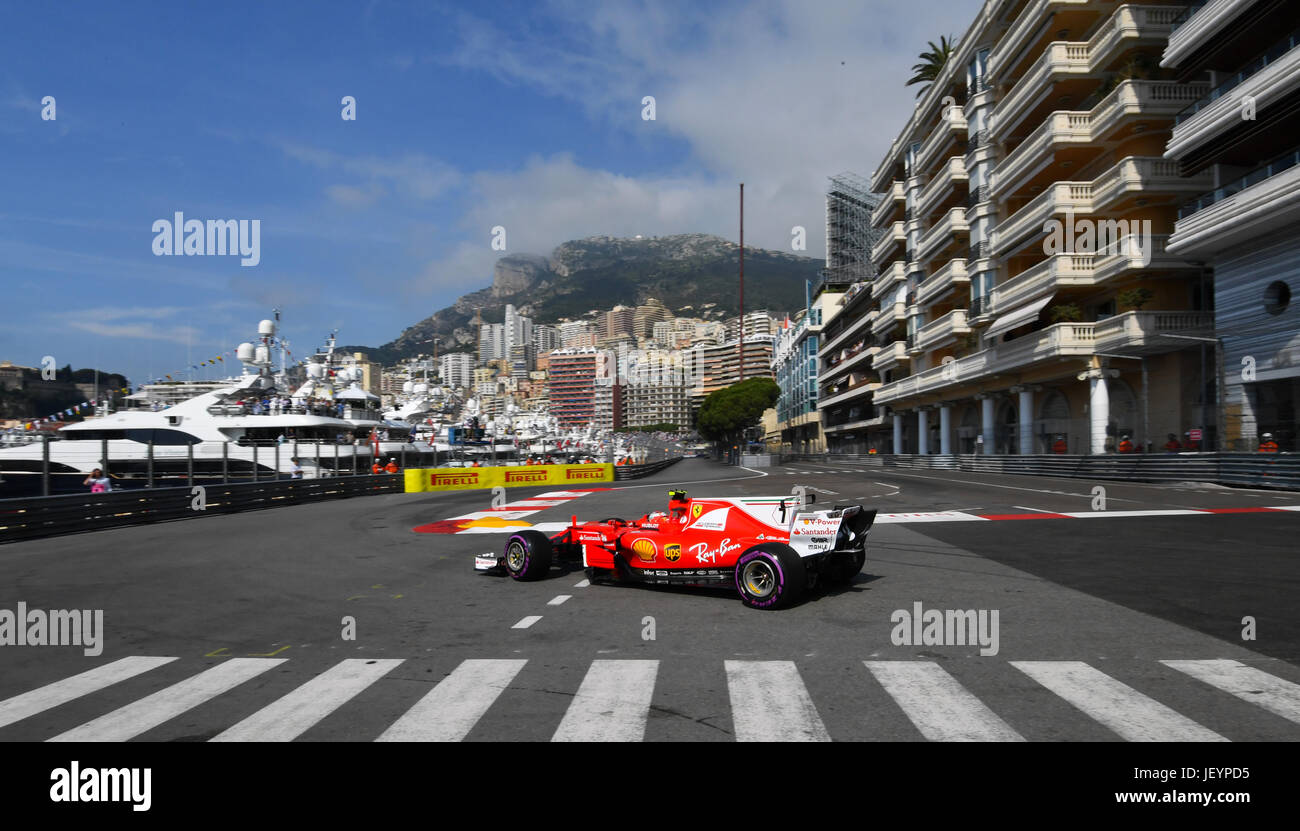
x: 527, y: 621
x: 582, y: 584
x: 558, y: 599
x: 1247, y: 683
x: 940, y: 707
x: 61, y: 692
x: 450, y: 710
x: 140, y: 716
x: 612, y: 704
x: 1134, y: 716
x: 296, y: 713
x: 769, y: 703
x: 1034, y: 510
x: 1008, y: 487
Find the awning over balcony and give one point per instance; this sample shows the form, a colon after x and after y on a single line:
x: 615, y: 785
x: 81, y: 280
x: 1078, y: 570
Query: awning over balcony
x: 1018, y: 317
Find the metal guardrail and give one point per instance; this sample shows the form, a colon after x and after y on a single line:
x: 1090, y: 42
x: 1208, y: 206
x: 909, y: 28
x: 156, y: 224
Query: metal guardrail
x: 1264, y: 470
x: 44, y: 516
x: 624, y: 472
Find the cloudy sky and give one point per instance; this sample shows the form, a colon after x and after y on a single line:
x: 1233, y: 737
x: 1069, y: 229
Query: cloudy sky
x: 467, y: 116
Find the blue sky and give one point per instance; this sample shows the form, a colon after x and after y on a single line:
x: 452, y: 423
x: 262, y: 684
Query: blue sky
x: 524, y: 115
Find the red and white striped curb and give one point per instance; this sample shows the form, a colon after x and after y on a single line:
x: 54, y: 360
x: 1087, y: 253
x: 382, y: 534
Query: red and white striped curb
x: 506, y: 518
x: 962, y: 516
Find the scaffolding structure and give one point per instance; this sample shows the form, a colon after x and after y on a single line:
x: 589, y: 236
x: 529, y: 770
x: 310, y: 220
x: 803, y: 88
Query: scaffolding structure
x: 849, y: 235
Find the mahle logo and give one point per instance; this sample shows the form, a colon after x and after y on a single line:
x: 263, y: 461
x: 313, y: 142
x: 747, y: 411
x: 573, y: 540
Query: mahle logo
x: 1107, y: 236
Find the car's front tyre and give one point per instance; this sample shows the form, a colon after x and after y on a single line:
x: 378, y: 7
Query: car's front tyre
x: 770, y: 576
x: 528, y: 555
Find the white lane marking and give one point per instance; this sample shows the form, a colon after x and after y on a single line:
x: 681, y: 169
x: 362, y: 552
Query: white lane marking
x: 61, y: 692
x: 140, y: 716
x: 1287, y: 507
x: 503, y: 515
x: 1033, y: 510
x: 612, y: 704
x: 565, y: 495
x: 582, y: 585
x: 823, y: 490
x: 289, y: 717
x: 558, y: 599
x: 940, y: 707
x: 1134, y: 716
x: 1247, y: 683
x: 1168, y: 512
x: 1010, y: 487
x: 450, y: 710
x: 527, y: 621
x: 769, y: 703
x: 929, y: 516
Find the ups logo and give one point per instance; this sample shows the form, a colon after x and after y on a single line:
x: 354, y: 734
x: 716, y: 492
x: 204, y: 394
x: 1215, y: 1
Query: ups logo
x: 672, y: 552
x: 645, y: 550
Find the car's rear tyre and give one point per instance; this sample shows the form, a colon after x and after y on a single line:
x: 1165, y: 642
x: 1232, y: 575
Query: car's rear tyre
x: 770, y: 576
x: 528, y: 555
x: 840, y: 569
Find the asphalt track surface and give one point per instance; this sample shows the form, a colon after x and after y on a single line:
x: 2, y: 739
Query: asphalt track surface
x: 251, y: 607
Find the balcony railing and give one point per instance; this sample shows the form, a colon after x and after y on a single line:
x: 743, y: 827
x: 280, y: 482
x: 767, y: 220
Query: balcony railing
x: 977, y: 195
x: 978, y: 251
x: 953, y: 222
x: 1276, y: 51
x: 1142, y: 331
x: 939, y: 331
x: 1254, y: 177
x: 953, y: 273
x: 1193, y: 6
x: 977, y: 306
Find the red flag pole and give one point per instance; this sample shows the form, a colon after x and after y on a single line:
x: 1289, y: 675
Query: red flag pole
x: 741, y: 373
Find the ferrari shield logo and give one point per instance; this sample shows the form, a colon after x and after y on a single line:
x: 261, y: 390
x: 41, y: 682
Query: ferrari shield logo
x: 696, y: 510
x: 672, y: 552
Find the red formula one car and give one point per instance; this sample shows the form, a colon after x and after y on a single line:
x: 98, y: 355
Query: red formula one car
x: 772, y: 549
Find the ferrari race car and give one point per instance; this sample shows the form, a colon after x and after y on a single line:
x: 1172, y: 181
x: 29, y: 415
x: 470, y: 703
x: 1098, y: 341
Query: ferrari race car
x: 773, y: 549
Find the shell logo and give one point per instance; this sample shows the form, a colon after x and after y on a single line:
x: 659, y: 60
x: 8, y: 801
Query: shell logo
x: 673, y: 552
x: 645, y: 549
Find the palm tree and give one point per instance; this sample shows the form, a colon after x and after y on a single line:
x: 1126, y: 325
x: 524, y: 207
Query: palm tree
x: 931, y: 62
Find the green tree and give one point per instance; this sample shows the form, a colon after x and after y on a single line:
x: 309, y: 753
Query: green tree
x: 728, y: 412
x: 931, y: 63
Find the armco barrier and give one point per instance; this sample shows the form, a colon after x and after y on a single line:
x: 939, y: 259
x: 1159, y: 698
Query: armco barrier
x: 43, y: 516
x: 622, y: 472
x: 421, y: 480
x: 1243, y: 469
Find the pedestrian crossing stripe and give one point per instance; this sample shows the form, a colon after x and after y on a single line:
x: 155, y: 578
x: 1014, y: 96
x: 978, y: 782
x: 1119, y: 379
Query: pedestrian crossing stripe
x: 769, y: 700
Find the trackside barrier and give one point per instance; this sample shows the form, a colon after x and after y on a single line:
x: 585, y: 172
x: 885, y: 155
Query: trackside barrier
x: 44, y: 516
x: 622, y: 472
x: 1244, y: 469
x: 421, y: 480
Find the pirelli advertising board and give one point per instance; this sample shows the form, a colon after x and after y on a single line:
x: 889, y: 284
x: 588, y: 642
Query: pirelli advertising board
x: 471, y: 478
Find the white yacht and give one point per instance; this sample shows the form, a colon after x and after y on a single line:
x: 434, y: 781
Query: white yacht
x: 249, y: 427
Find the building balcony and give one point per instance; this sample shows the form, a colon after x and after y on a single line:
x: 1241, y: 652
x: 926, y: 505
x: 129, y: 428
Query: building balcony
x: 893, y: 236
x: 1128, y: 101
x: 1271, y: 78
x: 889, y: 206
x: 1141, y: 332
x: 942, y: 234
x: 942, y: 331
x: 855, y: 330
x: 889, y: 316
x: 1042, y: 280
x: 1064, y: 340
x: 889, y: 278
x: 1132, y: 175
x: 855, y: 424
x: 1024, y: 29
x: 1128, y: 25
x: 846, y: 390
x: 855, y: 358
x: 952, y: 274
x: 1264, y: 201
x: 889, y: 357
x: 1202, y: 25
x: 941, y: 186
x: 950, y: 129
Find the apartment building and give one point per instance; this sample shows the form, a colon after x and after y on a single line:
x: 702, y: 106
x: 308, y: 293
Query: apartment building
x: 716, y: 366
x: 572, y: 386
x: 795, y: 366
x: 1244, y: 135
x: 655, y: 388
x: 456, y: 369
x: 1026, y: 297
